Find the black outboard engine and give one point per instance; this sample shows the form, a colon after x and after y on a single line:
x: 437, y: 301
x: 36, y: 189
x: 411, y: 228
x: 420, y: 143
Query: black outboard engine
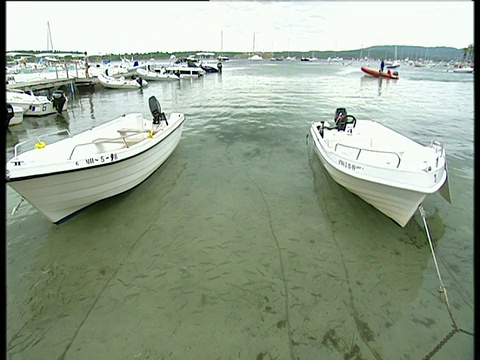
x: 156, y: 111
x: 139, y: 80
x: 10, y: 113
x: 339, y: 113
x: 219, y: 66
x: 341, y: 119
x: 59, y: 100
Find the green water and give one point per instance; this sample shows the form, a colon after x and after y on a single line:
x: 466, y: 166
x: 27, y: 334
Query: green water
x: 241, y: 246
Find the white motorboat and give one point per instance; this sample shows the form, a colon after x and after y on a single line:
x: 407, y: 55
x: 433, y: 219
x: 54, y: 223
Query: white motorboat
x: 208, y: 62
x: 185, y: 69
x: 14, y: 115
x: 37, y: 105
x: 392, y: 65
x: 464, y: 70
x: 63, y: 177
x: 111, y: 82
x: 386, y: 169
x: 157, y: 75
x: 223, y: 58
x: 255, y: 57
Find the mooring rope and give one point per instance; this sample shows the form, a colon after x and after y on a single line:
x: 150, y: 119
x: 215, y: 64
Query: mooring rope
x: 16, y: 207
x: 443, y: 290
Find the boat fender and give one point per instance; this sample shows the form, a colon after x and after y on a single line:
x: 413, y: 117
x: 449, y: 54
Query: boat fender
x: 150, y: 134
x: 40, y: 145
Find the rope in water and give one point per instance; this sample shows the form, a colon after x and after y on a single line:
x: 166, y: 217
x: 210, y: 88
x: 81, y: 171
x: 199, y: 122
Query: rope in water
x: 443, y: 290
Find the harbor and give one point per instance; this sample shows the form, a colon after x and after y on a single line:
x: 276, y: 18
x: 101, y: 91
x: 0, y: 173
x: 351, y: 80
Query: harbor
x: 309, y: 197
x: 241, y: 237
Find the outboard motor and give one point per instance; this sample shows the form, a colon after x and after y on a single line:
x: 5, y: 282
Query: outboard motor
x: 10, y: 113
x: 139, y: 80
x: 219, y: 66
x: 341, y: 119
x: 340, y: 112
x: 156, y: 111
x: 342, y: 123
x: 59, y: 99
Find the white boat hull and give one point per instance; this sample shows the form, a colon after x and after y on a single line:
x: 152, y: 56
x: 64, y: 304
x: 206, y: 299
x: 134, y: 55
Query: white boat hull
x: 78, y: 178
x: 33, y: 105
x: 157, y: 76
x: 185, y: 72
x: 255, y: 57
x: 464, y: 70
x: 120, y: 83
x: 17, y: 116
x: 393, y: 180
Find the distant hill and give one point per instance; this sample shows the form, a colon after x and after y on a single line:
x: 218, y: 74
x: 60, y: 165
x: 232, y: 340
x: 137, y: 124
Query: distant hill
x: 387, y: 52
x: 404, y: 51
x: 438, y: 53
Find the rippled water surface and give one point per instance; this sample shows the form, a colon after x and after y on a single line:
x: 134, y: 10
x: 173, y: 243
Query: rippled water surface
x: 241, y: 246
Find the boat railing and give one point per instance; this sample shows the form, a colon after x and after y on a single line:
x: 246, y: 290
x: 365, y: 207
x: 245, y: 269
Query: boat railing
x: 121, y: 139
x: 437, y: 145
x: 370, y: 150
x: 38, y: 139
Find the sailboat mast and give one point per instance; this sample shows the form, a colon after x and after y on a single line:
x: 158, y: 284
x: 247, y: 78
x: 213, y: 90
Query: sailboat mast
x: 253, y: 41
x: 49, y: 37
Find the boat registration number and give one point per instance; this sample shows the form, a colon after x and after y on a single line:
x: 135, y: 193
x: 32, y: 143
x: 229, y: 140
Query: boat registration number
x: 101, y: 159
x: 349, y: 166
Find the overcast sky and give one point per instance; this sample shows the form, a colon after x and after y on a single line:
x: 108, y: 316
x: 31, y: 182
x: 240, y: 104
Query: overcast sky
x: 141, y: 27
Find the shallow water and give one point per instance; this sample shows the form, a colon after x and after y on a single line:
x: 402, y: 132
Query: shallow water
x: 241, y: 246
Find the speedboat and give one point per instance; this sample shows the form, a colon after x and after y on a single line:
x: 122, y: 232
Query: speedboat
x: 383, y: 167
x: 61, y: 178
x: 157, y: 75
x: 185, y: 68
x: 111, y: 82
x: 464, y: 70
x: 392, y: 65
x: 255, y: 57
x: 37, y: 105
x: 207, y: 61
x: 223, y: 58
x: 185, y: 72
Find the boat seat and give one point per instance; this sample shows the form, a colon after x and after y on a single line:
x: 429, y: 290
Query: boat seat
x: 129, y: 141
x: 125, y: 131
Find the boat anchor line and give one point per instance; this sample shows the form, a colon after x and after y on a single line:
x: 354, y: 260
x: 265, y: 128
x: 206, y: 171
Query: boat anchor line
x: 14, y: 210
x: 442, y: 290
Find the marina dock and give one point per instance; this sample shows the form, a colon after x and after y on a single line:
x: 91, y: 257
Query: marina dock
x: 53, y: 84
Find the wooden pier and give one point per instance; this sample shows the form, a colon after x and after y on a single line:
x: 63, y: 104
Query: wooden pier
x: 52, y: 84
